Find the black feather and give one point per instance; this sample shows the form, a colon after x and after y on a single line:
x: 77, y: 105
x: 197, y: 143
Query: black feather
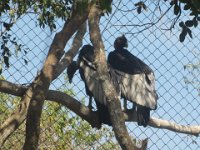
x: 143, y: 115
x: 87, y: 54
x: 71, y: 70
x: 126, y: 62
x: 131, y: 78
x: 103, y: 113
x: 87, y: 71
x: 135, y: 78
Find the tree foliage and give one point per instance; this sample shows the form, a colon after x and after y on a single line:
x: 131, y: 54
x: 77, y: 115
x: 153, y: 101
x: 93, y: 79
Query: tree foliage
x: 179, y: 6
x: 47, y: 12
x: 59, y: 127
x: 194, y: 7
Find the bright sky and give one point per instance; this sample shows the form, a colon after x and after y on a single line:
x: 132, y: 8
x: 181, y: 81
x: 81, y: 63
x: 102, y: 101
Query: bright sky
x: 158, y: 48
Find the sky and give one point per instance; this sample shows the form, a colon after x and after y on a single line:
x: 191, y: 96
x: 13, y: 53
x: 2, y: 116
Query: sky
x: 157, y: 47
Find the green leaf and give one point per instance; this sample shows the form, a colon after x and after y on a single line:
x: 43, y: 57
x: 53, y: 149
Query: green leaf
x: 6, y: 51
x: 181, y: 24
x: 2, y: 46
x: 25, y: 51
x: 189, y: 23
x: 189, y: 32
x: 196, y: 4
x: 183, y: 1
x: 7, y: 25
x: 182, y: 35
x: 176, y: 9
x: 7, y: 7
x: 187, y: 6
x: 25, y: 61
x: 6, y: 61
x: 195, y: 22
x: 139, y: 9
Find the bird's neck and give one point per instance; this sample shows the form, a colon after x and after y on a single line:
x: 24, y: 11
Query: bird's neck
x: 119, y: 49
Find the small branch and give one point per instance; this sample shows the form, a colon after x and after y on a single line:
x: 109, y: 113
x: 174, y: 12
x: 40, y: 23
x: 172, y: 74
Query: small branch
x: 130, y: 116
x: 172, y: 126
x: 71, y: 53
x: 147, y: 25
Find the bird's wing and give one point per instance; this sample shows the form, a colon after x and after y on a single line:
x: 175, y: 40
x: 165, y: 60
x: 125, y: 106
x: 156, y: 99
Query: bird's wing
x: 136, y: 79
x: 135, y: 88
x: 90, y: 76
x: 126, y: 62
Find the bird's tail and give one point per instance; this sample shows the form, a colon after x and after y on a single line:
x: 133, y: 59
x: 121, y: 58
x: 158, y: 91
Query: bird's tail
x: 71, y: 70
x: 103, y: 112
x: 143, y: 115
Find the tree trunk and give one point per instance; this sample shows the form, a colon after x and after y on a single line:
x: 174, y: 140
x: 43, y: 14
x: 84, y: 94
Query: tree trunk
x: 44, y: 79
x: 113, y: 101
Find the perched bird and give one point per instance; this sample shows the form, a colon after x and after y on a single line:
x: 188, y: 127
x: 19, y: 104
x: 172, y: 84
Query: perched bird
x: 93, y: 87
x: 132, y: 78
x: 136, y: 80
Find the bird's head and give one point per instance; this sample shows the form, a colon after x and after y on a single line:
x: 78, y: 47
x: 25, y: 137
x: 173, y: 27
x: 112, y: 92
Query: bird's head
x: 87, y: 52
x: 120, y: 42
x: 86, y: 56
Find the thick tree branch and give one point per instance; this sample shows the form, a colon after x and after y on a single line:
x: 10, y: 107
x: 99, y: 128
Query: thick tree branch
x: 172, y: 126
x: 113, y: 102
x: 56, y: 50
x: 71, y: 53
x: 83, y: 111
x: 130, y: 116
x: 91, y: 116
x: 36, y: 108
x: 55, y: 53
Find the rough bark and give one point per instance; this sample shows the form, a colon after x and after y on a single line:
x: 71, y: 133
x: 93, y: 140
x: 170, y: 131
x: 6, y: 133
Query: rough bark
x: 113, y: 101
x: 44, y: 79
x: 91, y: 116
x: 38, y: 88
x: 71, y: 53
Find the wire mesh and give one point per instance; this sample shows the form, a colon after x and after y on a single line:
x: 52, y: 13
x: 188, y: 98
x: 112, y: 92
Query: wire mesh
x: 177, y: 81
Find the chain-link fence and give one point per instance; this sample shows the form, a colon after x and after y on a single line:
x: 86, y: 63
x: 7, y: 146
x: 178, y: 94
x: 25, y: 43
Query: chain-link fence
x: 151, y: 38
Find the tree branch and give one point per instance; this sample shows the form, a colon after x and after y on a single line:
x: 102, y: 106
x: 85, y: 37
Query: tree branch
x: 88, y: 115
x: 130, y: 116
x: 113, y: 102
x: 47, y: 75
x: 145, y: 26
x: 71, y: 53
x: 60, y: 40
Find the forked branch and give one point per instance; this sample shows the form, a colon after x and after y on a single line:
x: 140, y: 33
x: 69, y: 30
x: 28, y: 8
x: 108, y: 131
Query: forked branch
x: 19, y: 115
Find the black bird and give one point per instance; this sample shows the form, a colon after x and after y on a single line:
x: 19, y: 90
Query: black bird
x: 136, y: 80
x: 93, y: 88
